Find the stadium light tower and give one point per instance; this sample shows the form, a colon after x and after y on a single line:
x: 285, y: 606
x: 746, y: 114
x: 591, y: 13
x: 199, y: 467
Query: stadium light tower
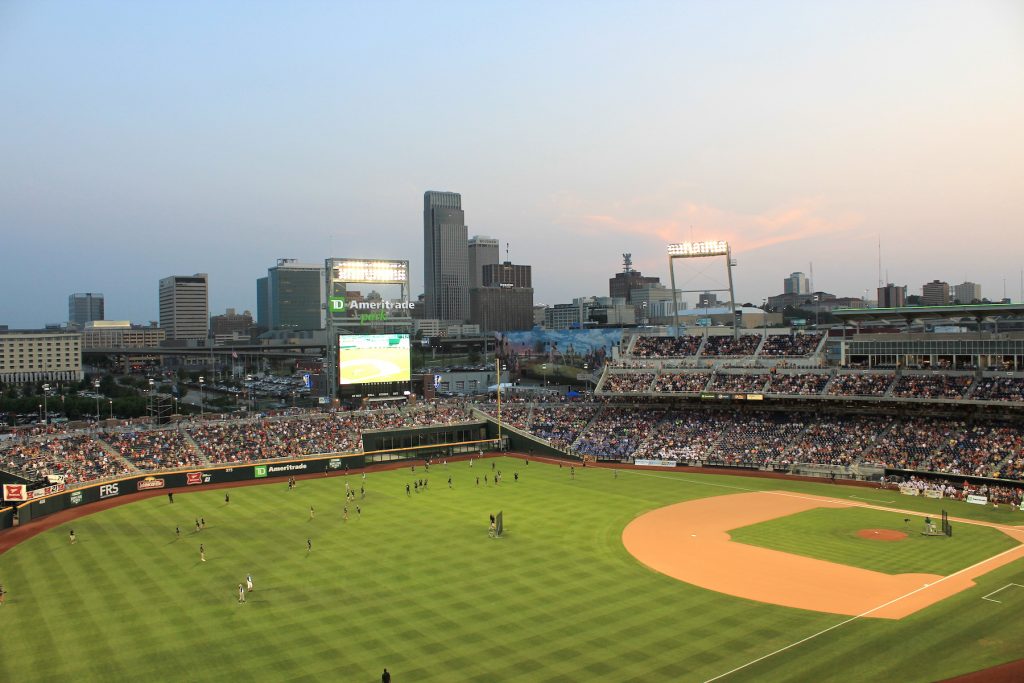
x: 706, y: 249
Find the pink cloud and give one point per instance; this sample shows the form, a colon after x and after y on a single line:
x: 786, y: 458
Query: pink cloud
x: 797, y: 220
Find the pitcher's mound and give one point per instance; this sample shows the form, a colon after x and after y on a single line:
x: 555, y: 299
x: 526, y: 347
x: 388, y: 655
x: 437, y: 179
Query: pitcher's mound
x: 881, y: 534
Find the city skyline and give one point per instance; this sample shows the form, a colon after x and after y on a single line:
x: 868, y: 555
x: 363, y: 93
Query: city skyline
x: 142, y: 141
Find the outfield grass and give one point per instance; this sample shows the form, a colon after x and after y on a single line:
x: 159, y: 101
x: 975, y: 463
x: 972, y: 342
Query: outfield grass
x: 416, y: 585
x: 831, y: 534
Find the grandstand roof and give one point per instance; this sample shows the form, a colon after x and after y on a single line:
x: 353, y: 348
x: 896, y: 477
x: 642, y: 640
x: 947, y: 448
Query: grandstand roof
x: 910, y: 313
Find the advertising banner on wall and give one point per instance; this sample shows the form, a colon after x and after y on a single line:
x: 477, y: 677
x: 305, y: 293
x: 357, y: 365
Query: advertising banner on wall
x: 15, y: 492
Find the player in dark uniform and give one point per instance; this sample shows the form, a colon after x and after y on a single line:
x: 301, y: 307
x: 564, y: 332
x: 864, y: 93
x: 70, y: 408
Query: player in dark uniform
x: 202, y: 522
x: 198, y: 528
x: 407, y: 489
x: 170, y: 496
x: 227, y: 499
x: 449, y: 481
x: 309, y: 544
x: 515, y: 476
x: 177, y: 531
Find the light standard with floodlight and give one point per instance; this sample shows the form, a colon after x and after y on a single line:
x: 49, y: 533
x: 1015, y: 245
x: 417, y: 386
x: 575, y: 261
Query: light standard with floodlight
x: 152, y: 409
x: 110, y: 404
x: 96, y: 392
x: 497, y: 369
x: 202, y: 381
x: 544, y: 367
x: 46, y: 407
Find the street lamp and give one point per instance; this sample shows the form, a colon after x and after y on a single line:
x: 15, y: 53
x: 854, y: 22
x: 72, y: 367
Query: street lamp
x: 202, y: 381
x: 110, y: 404
x: 96, y: 392
x: 46, y: 408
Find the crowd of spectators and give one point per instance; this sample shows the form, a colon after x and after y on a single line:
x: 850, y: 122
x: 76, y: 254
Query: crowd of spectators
x: 804, y: 384
x: 76, y: 458
x: 932, y: 386
x: 155, y: 450
x: 638, y: 381
x: 740, y: 383
x: 561, y: 424
x: 725, y: 345
x: 866, y: 384
x: 236, y: 441
x: 684, y: 436
x: 999, y: 389
x: 784, y: 345
x: 616, y: 432
x: 666, y: 347
x: 681, y: 382
x: 837, y: 440
x: 758, y: 439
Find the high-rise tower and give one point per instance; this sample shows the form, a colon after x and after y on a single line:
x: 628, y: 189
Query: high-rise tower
x: 446, y: 276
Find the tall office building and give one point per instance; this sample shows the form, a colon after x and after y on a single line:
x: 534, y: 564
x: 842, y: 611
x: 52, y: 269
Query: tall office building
x: 185, y: 307
x: 935, y: 293
x: 892, y: 296
x: 507, y: 275
x: 796, y: 283
x: 295, y: 296
x: 263, y: 303
x: 622, y: 285
x: 967, y: 292
x: 483, y: 251
x: 505, y: 301
x: 446, y: 277
x: 84, y: 308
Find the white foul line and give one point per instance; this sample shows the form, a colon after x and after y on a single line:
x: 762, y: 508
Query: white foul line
x: 863, y: 614
x: 985, y: 597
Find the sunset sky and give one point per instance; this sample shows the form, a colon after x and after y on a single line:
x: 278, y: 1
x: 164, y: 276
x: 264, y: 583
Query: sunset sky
x: 144, y: 139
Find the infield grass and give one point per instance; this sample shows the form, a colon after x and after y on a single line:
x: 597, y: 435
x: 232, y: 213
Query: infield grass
x: 416, y: 585
x: 831, y: 534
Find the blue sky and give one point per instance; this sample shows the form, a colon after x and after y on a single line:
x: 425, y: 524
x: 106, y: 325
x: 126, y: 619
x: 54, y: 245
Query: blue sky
x: 140, y: 140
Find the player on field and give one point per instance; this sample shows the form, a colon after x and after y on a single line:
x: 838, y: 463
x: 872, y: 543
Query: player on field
x: 248, y: 582
x: 71, y: 537
x: 202, y: 553
x: 309, y: 544
x: 241, y: 593
x: 311, y: 512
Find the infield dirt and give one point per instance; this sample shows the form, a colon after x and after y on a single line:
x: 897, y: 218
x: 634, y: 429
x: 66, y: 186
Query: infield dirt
x: 690, y: 542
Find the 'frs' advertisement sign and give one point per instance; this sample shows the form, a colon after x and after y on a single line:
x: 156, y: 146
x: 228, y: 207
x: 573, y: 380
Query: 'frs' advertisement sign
x: 194, y: 478
x: 150, y: 483
x: 109, y: 491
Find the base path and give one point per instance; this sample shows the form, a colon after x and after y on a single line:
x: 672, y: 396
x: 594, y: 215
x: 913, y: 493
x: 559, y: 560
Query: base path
x: 690, y: 542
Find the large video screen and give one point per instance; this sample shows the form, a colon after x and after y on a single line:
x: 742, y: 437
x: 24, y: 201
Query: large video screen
x: 366, y: 358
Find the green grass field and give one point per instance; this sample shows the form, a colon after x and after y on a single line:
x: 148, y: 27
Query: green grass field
x: 416, y: 585
x: 834, y: 534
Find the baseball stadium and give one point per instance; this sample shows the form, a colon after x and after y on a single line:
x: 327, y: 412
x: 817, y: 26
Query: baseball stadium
x: 838, y: 505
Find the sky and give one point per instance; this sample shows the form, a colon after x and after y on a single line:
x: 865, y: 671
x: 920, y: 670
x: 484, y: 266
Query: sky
x: 145, y: 139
